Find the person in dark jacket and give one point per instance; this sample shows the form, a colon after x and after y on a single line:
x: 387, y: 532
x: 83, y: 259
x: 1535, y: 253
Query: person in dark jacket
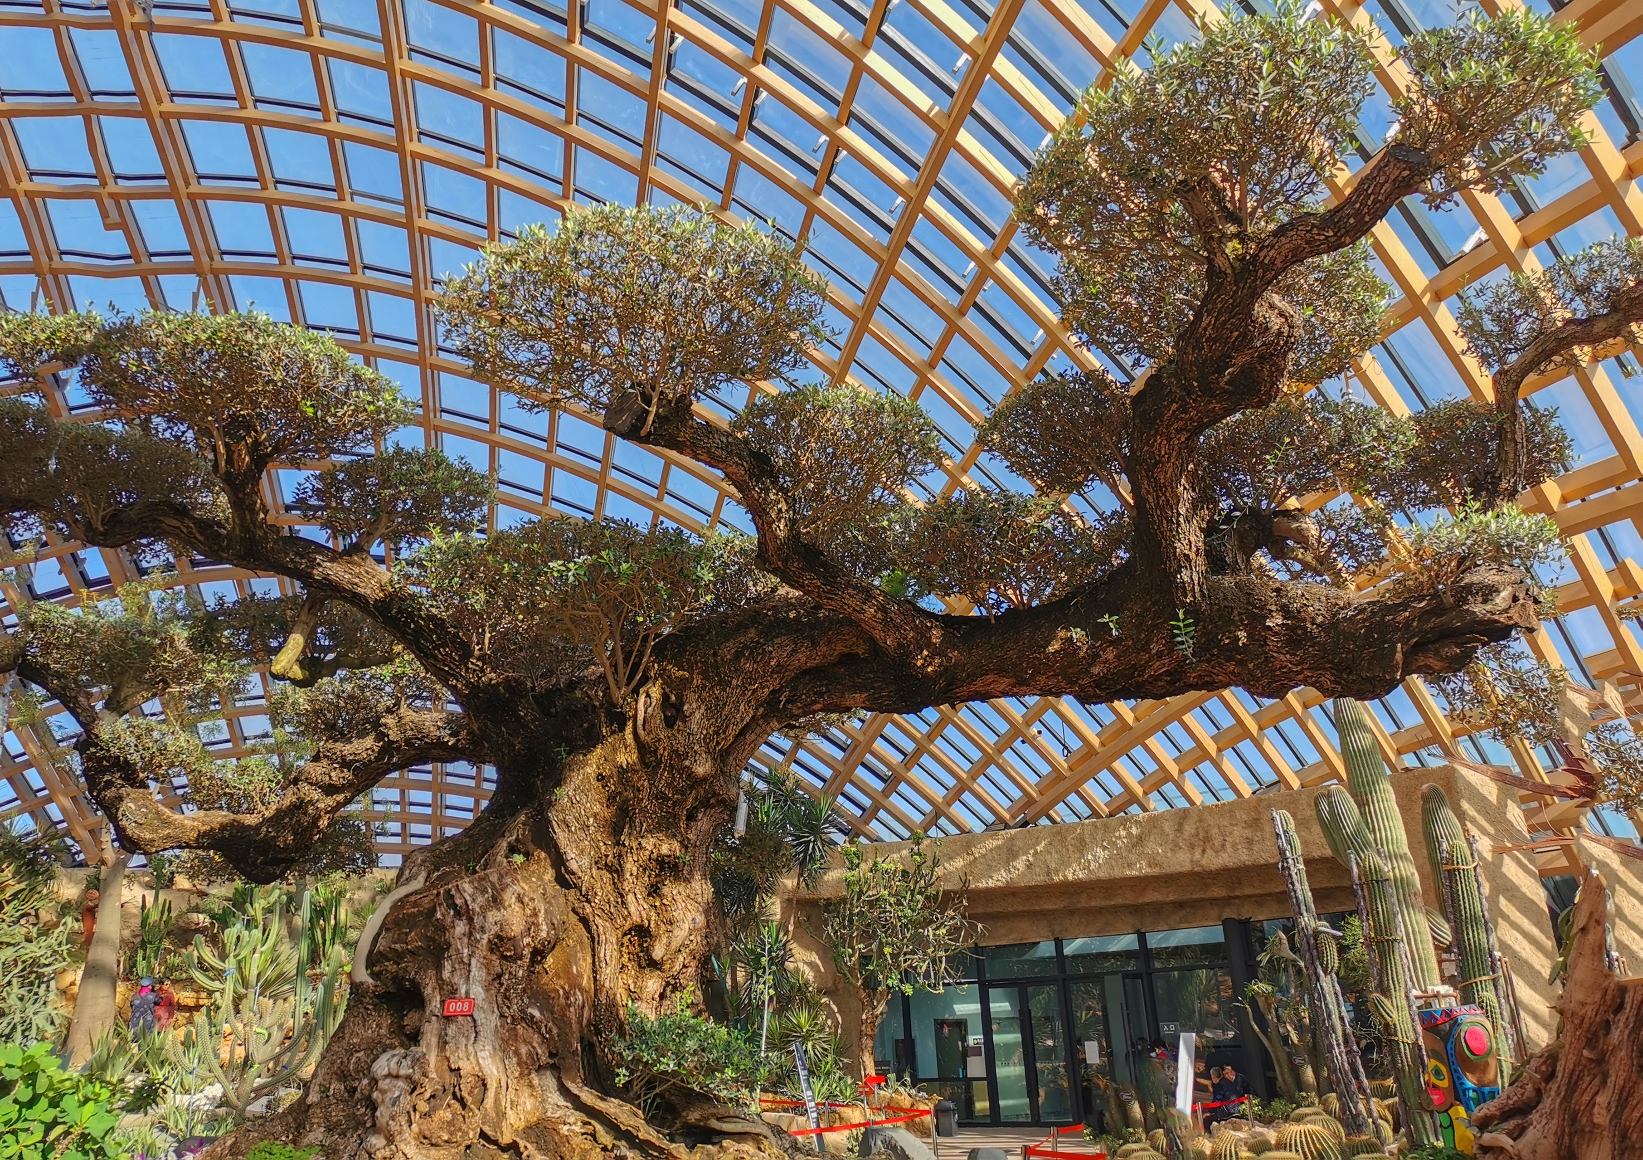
x: 1229, y: 1088
x: 142, y: 1008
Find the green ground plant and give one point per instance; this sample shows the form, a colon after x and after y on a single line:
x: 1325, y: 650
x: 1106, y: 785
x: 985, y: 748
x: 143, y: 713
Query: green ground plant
x: 47, y: 1113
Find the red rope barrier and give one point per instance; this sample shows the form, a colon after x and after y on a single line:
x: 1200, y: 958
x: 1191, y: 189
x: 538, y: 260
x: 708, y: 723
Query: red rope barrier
x: 867, y: 1124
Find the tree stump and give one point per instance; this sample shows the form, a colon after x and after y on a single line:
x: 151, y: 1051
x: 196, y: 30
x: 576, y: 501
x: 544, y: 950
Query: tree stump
x: 1582, y: 1097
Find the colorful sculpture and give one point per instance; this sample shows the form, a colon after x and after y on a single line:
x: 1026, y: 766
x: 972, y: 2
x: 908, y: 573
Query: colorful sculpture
x: 1462, y: 1068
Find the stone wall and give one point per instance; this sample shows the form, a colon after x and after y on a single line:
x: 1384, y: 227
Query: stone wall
x: 1195, y: 867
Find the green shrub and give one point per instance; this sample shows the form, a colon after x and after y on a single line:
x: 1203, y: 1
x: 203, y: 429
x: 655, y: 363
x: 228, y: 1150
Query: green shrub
x: 1435, y: 1152
x: 47, y: 1113
x: 1277, y: 1109
x: 274, y: 1150
x: 680, y: 1049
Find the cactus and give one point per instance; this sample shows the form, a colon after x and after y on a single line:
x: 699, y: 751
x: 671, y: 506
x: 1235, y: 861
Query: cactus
x: 1157, y: 1141
x: 1310, y: 1140
x: 1451, y: 857
x: 1371, y: 788
x: 1350, y: 838
x: 1135, y: 1151
x: 1226, y: 1147
x: 269, y: 1021
x: 1339, y: 1050
x: 1361, y: 1146
x: 1277, y: 1154
x: 1261, y: 1145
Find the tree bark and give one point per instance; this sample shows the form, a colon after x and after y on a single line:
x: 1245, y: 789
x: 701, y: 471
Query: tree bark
x: 558, y: 918
x: 1582, y: 1097
x: 95, y: 1009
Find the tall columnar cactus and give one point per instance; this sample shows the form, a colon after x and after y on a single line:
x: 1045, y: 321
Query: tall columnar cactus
x: 1339, y: 1049
x: 1371, y: 788
x: 1350, y: 839
x: 1451, y: 856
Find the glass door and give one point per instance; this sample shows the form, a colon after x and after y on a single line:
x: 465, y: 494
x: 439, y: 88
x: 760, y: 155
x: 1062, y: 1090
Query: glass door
x: 1092, y: 1004
x: 1009, y: 1044
x: 1048, y: 1030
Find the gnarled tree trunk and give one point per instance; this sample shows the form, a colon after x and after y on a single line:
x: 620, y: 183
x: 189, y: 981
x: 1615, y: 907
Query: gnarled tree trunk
x: 556, y: 915
x: 95, y: 1005
x: 1582, y: 1097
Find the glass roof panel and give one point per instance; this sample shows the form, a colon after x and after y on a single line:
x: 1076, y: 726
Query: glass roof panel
x: 332, y: 179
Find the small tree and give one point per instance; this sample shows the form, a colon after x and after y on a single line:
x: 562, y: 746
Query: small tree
x: 895, y: 931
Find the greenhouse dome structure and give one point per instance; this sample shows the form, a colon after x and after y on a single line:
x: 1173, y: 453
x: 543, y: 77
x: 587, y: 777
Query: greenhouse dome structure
x: 329, y: 161
x: 584, y: 577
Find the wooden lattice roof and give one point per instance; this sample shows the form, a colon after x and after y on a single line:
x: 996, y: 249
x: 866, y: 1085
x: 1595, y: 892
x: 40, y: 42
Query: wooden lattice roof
x: 327, y: 160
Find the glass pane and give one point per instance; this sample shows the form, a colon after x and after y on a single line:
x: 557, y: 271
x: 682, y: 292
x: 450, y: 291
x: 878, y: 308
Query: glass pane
x: 947, y: 1039
x: 1110, y: 952
x: 1199, y: 1001
x: 1009, y: 1056
x: 1092, y: 1040
x: 1180, y: 948
x: 1018, y: 959
x: 1055, y: 1100
x: 890, y: 1047
x: 969, y: 1095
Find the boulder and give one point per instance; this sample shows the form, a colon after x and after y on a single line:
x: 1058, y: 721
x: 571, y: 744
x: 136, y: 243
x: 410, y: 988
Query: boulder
x: 988, y: 1154
x: 897, y: 1141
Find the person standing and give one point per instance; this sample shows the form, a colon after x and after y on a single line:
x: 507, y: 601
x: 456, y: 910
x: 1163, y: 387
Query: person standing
x: 142, y: 1008
x: 165, y: 1006
x: 1229, y: 1089
x: 88, y: 919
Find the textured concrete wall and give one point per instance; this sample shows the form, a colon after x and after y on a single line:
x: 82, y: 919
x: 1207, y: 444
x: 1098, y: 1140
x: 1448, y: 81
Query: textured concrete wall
x: 1194, y: 867
x: 1624, y: 877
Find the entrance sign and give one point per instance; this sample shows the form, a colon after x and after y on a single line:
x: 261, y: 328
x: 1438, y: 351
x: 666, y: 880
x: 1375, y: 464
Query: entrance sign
x: 804, y: 1085
x: 1183, y: 1072
x: 454, y: 1007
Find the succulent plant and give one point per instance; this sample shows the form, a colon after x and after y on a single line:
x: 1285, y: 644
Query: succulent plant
x: 1362, y: 1146
x: 1226, y: 1146
x: 1309, y: 1140
x: 1157, y: 1140
x: 1452, y: 859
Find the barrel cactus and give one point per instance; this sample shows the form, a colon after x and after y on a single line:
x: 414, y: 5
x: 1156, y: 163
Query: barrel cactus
x: 1142, y: 1151
x: 1309, y: 1140
x: 1277, y: 1154
x: 1330, y: 1103
x: 1157, y: 1141
x: 1226, y: 1146
x: 1201, y: 1149
x: 1362, y: 1146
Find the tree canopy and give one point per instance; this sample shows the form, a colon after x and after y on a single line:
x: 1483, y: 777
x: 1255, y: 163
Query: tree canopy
x: 1241, y: 518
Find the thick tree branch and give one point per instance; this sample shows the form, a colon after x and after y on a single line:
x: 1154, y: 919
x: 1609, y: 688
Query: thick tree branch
x: 1269, y: 637
x: 1512, y: 444
x: 264, y: 844
x: 250, y: 542
x: 1393, y: 174
x: 896, y: 625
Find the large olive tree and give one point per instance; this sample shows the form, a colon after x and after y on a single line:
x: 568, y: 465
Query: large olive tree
x: 619, y: 678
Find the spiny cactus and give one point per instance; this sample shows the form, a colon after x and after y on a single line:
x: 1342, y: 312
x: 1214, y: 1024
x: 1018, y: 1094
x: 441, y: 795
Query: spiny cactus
x: 1330, y: 1103
x: 1260, y: 1146
x: 1226, y: 1146
x: 1349, y: 836
x: 1278, y: 1154
x: 1336, y: 1046
x: 1136, y: 1152
x: 1362, y: 1146
x: 1202, y: 1149
x: 1383, y: 1089
x: 1325, y: 1121
x: 1156, y: 1140
x: 1371, y: 788
x: 1451, y: 856
x: 1310, y: 1140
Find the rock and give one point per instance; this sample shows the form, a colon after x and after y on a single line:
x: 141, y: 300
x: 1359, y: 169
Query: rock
x: 988, y: 1154
x: 897, y: 1141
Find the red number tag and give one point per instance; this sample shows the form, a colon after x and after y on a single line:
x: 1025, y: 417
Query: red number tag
x: 458, y: 1007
